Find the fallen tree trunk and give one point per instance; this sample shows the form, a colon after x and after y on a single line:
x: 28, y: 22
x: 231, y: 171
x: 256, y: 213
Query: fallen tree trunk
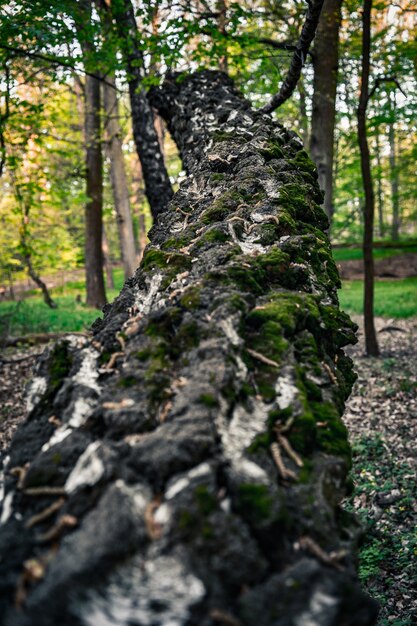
x: 186, y: 466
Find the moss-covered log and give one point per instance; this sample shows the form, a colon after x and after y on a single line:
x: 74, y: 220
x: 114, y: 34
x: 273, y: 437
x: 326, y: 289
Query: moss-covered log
x: 186, y: 465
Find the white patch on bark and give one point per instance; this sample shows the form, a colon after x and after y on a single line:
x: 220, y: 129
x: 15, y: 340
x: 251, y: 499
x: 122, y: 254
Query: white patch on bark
x: 83, y: 408
x: 228, y: 327
x: 3, y: 478
x: 320, y: 604
x: 286, y: 391
x: 183, y: 482
x: 162, y: 514
x: 59, y: 435
x: 238, y: 434
x: 167, y: 592
x: 36, y: 389
x: 175, y: 489
x: 252, y: 471
x: 88, y: 470
x: 87, y: 375
x: 7, y: 508
x: 271, y: 187
x: 247, y: 245
x: 145, y: 300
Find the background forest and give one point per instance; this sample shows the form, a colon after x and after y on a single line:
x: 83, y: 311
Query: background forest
x: 67, y: 136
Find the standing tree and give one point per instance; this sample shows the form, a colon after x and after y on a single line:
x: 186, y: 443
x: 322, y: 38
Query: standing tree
x: 325, y: 64
x: 157, y: 184
x: 369, y: 208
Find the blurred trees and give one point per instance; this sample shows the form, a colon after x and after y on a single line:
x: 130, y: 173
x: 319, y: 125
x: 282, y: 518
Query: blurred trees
x: 44, y: 58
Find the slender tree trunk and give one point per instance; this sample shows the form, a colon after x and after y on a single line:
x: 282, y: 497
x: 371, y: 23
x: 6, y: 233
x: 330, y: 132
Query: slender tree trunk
x: 107, y: 261
x: 96, y: 294
x: 305, y: 131
x: 38, y: 280
x: 221, y: 8
x: 380, y: 193
x: 325, y: 63
x: 118, y: 178
x: 157, y: 184
x: 370, y: 334
x: 395, y: 231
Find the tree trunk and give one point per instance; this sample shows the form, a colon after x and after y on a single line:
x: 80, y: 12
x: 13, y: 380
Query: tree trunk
x: 157, y: 185
x: 38, y: 280
x: 107, y: 261
x: 187, y: 465
x: 221, y: 8
x: 325, y: 63
x: 96, y: 294
x: 118, y: 178
x: 395, y: 231
x: 380, y: 193
x: 369, y: 209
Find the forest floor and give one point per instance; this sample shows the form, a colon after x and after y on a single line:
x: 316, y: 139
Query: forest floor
x: 382, y: 419
x: 381, y: 416
x: 398, y: 266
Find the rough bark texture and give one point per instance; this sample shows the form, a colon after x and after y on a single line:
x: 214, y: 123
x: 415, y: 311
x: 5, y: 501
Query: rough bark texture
x: 157, y: 184
x: 202, y: 468
x: 118, y: 178
x: 325, y: 63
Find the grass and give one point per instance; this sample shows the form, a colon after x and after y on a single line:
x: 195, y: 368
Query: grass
x: 354, y: 254
x: 31, y: 315
x: 393, y: 298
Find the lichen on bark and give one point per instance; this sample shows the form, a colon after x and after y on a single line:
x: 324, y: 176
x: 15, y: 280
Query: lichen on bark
x: 197, y: 437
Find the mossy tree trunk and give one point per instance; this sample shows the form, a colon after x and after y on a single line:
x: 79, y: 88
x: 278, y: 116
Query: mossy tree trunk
x: 192, y: 451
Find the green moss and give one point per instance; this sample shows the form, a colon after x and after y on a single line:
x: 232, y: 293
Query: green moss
x: 171, y: 263
x: 261, y: 442
x: 219, y: 136
x: 191, y: 299
x: 332, y: 436
x: 143, y: 355
x: 206, y: 501
x: 208, y: 400
x: 215, y: 178
x: 215, y: 235
x: 60, y: 365
x: 256, y: 501
x: 127, y: 381
x: 272, y: 151
x: 303, y: 162
x: 302, y: 434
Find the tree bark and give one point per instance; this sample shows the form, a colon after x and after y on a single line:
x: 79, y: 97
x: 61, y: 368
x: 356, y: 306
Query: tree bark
x: 118, y: 178
x: 325, y: 64
x: 380, y: 193
x: 107, y: 261
x: 96, y: 294
x: 369, y: 209
x: 157, y: 184
x: 395, y: 230
x: 193, y: 452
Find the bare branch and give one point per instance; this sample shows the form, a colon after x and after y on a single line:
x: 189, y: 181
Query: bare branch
x: 302, y: 47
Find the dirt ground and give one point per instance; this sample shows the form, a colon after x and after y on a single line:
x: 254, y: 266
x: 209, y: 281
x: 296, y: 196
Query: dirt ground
x: 401, y: 266
x: 381, y: 416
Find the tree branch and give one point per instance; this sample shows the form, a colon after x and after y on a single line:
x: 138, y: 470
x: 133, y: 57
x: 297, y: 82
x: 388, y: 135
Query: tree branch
x: 53, y: 61
x: 307, y: 35
x: 385, y: 79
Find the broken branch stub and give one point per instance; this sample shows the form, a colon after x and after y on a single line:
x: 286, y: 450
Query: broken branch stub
x: 187, y: 503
